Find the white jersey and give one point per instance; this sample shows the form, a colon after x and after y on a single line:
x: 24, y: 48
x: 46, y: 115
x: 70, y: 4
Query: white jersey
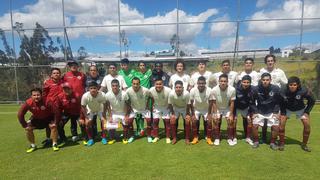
x: 185, y: 78
x: 160, y: 99
x: 255, y: 77
x: 93, y: 104
x: 117, y: 102
x: 179, y: 102
x: 232, y: 76
x: 223, y: 98
x: 278, y: 77
x: 196, y: 75
x: 106, y: 82
x: 200, y: 100
x: 138, y: 99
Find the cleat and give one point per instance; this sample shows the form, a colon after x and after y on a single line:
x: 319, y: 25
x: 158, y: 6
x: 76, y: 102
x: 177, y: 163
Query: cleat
x: 149, y: 139
x: 174, y: 141
x: 55, y: 147
x: 74, y: 138
x: 112, y: 142
x: 61, y: 144
x: 249, y: 141
x: 168, y: 140
x: 156, y: 139
x: 273, y: 146
x: 235, y: 141
x: 216, y: 142
x: 281, y: 147
x: 209, y: 141
x: 195, y: 141
x: 255, y: 145
x: 104, y: 141
x: 84, y: 142
x: 305, y: 148
x: 124, y: 141
x: 230, y: 142
x: 141, y: 133
x: 131, y: 139
x: 90, y: 142
x: 31, y: 149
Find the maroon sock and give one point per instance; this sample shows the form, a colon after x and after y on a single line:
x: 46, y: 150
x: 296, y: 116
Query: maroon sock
x: 209, y: 130
x: 187, y: 131
x: 249, y: 131
x: 103, y: 134
x: 174, y: 131
x: 194, y: 129
x: 89, y: 132
x: 125, y: 131
x: 155, y: 128
x: 282, y: 136
x: 149, y: 126
x: 229, y: 130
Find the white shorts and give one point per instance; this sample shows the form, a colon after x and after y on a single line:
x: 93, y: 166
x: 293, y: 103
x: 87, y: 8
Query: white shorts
x: 119, y: 117
x: 144, y: 113
x: 180, y: 111
x: 243, y: 112
x: 299, y: 114
x: 223, y: 113
x: 271, y: 120
x: 161, y: 113
x: 199, y: 113
x: 91, y: 114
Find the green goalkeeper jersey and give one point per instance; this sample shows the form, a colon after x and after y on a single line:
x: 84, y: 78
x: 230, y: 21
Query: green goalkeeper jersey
x: 128, y: 76
x: 145, y: 78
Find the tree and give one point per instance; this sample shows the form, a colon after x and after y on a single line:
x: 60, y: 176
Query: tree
x: 174, y: 41
x: 82, y: 53
x: 271, y: 49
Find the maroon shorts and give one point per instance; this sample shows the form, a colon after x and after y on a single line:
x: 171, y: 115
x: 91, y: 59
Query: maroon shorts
x: 41, y: 123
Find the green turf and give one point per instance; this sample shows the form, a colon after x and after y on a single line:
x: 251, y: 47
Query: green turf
x: 141, y: 160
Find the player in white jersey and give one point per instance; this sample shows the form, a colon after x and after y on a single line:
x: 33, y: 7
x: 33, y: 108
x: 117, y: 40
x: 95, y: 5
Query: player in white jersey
x: 117, y: 110
x: 137, y: 98
x: 180, y: 75
x: 248, y: 70
x: 179, y: 105
x: 160, y: 95
x: 199, y: 99
x: 226, y: 69
x: 106, y: 82
x: 93, y: 104
x: 201, y: 72
x: 223, y: 97
x: 278, y: 78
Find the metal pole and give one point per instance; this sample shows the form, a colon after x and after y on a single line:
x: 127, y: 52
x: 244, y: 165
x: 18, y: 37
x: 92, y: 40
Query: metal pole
x: 301, y: 27
x: 64, y: 32
x: 14, y: 55
x: 119, y: 29
x: 236, y: 43
x: 178, y: 36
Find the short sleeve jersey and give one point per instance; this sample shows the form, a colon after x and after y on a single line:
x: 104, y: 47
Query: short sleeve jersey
x: 160, y: 98
x: 196, y: 75
x: 117, y: 102
x: 255, y: 76
x: 106, y: 82
x: 232, y: 76
x: 145, y: 78
x: 184, y: 78
x: 77, y: 81
x: 52, y: 89
x: 138, y: 99
x: 223, y: 98
x: 93, y: 103
x: 127, y: 76
x: 200, y: 99
x: 278, y: 77
x: 179, y: 101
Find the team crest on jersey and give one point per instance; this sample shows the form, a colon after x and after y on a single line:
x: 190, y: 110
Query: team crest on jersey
x: 271, y: 93
x: 145, y: 76
x: 42, y: 107
x: 163, y: 78
x: 98, y: 81
x: 239, y: 95
x: 79, y: 77
x: 184, y: 79
x: 73, y: 100
x: 298, y: 97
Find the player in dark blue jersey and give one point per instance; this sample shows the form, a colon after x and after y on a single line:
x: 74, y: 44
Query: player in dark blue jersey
x: 294, y: 96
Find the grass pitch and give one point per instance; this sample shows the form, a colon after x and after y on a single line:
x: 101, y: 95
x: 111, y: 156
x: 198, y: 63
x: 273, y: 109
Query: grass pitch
x: 141, y: 160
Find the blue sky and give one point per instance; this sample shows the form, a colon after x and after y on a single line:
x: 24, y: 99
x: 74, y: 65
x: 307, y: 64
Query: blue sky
x: 194, y: 38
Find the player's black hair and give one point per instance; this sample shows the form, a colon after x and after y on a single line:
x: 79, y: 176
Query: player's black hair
x: 54, y: 69
x: 141, y: 62
x: 246, y: 77
x: 265, y: 75
x: 178, y: 82
x: 36, y: 90
x: 112, y: 64
x: 115, y: 81
x: 158, y: 79
x: 223, y: 76
x: 158, y: 63
x: 269, y: 55
x: 225, y: 61
x: 93, y: 83
x: 202, y: 62
x: 294, y: 79
x: 124, y: 61
x: 179, y: 61
x: 249, y: 59
x: 135, y: 78
x: 201, y: 78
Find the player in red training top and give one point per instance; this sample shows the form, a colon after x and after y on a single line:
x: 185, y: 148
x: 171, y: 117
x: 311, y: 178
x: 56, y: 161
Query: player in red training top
x: 42, y: 117
x: 69, y: 108
x: 77, y: 81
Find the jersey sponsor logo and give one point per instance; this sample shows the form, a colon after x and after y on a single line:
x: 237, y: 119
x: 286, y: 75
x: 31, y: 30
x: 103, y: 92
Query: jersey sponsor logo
x: 42, y: 107
x: 298, y: 97
x: 271, y: 93
x: 79, y: 77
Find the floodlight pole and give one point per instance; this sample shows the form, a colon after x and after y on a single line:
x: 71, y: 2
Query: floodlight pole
x: 14, y: 55
x: 236, y: 43
x: 64, y: 32
x: 119, y: 29
x: 301, y: 27
x: 178, y: 37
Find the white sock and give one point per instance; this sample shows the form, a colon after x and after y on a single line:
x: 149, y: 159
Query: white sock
x: 32, y: 145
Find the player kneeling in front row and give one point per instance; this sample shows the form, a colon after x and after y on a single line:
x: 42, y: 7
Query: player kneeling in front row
x: 93, y: 103
x: 160, y: 96
x: 244, y: 101
x: 268, y: 100
x: 43, y: 116
x: 294, y: 96
x: 199, y: 98
x: 223, y: 96
x: 179, y: 105
x: 117, y: 109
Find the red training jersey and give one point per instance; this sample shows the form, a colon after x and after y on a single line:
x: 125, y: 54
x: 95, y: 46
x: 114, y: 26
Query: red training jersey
x: 52, y: 89
x: 77, y: 82
x: 69, y: 105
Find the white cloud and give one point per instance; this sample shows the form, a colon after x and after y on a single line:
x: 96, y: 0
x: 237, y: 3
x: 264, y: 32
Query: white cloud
x: 311, y: 46
x: 224, y: 28
x: 289, y: 9
x: 261, y: 3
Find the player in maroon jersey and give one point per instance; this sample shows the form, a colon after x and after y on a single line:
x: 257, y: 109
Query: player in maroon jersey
x: 42, y: 116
